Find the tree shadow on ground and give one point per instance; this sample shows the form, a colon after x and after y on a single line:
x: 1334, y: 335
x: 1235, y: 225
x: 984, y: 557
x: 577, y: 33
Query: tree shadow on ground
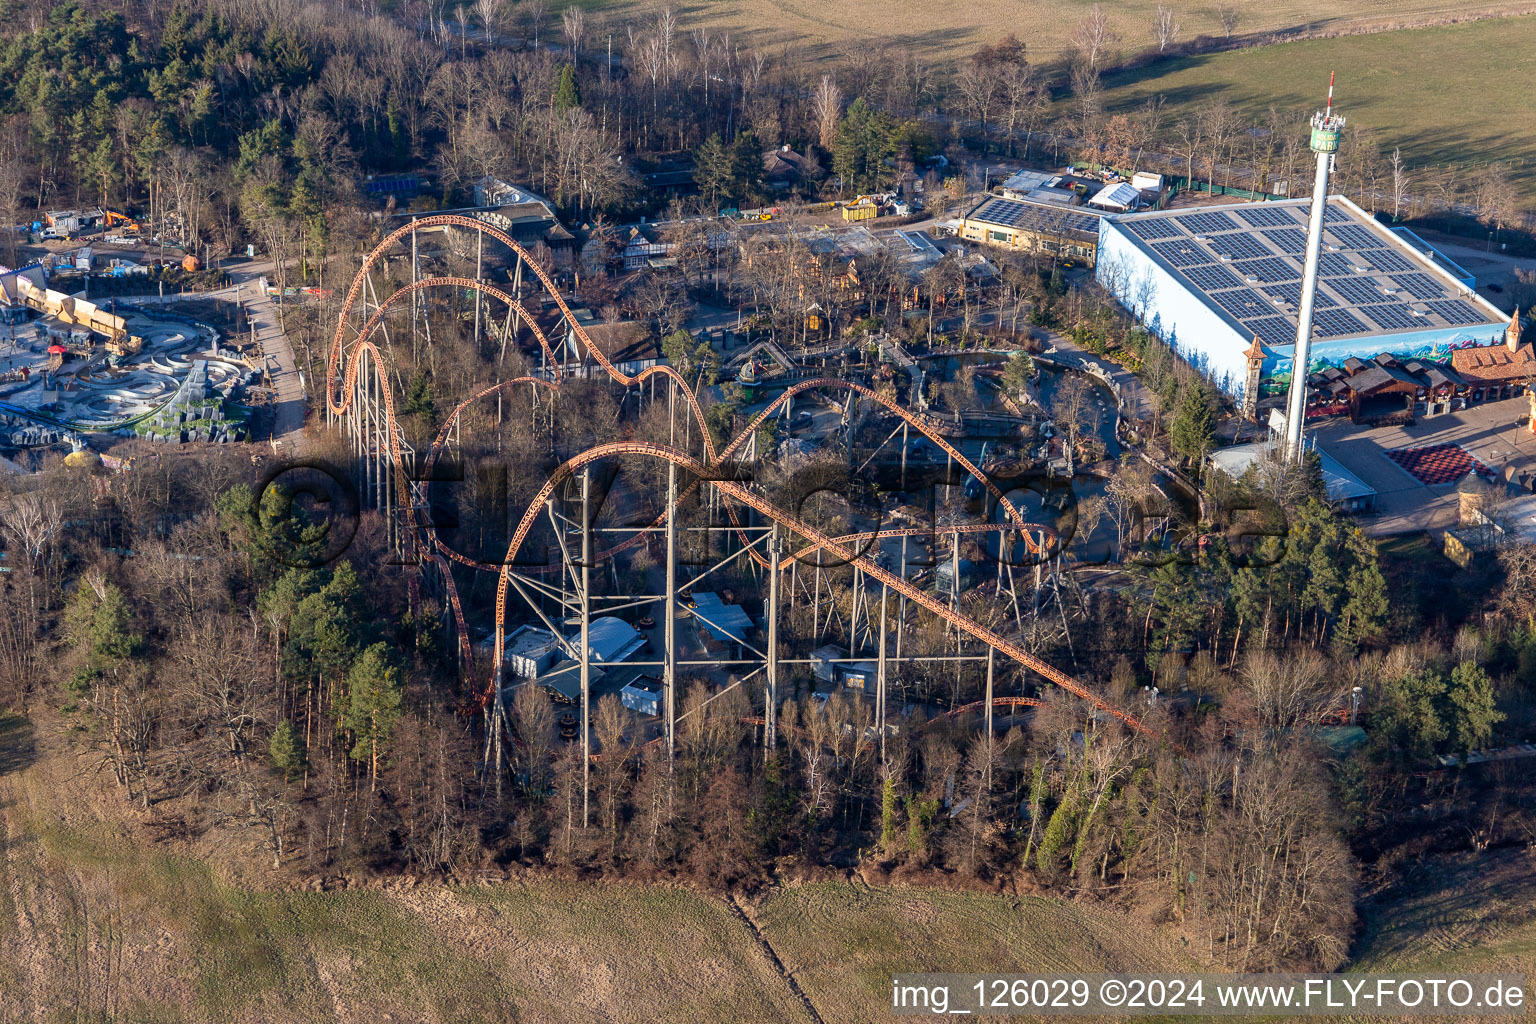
x: 17, y: 749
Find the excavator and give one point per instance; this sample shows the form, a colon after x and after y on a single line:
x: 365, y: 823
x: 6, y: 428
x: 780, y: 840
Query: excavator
x: 127, y: 224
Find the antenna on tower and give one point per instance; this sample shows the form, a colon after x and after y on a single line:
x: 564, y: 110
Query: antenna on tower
x: 1329, y: 112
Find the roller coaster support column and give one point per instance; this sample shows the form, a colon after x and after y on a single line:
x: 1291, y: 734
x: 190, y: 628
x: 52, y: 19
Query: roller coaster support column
x: 901, y: 608
x: 517, y: 292
x: 479, y: 260
x: 384, y: 466
x: 991, y: 656
x: 991, y: 652
x: 669, y: 609
x: 415, y: 299
x: 364, y: 402
x: 586, y: 649
x: 770, y: 713
x: 377, y: 449
x: 498, y: 717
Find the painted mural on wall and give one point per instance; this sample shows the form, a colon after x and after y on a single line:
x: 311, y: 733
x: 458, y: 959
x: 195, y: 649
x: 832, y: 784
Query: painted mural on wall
x: 1277, y: 368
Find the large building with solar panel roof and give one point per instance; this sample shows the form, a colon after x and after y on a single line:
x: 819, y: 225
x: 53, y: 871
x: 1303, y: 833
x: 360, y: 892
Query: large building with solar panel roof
x: 1210, y: 280
x: 1064, y: 232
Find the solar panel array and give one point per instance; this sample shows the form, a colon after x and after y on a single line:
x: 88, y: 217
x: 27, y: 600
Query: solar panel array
x: 1357, y: 292
x: 1387, y: 260
x: 1393, y: 318
x: 1420, y: 286
x: 1181, y: 254
x: 1457, y: 312
x: 1243, y: 303
x: 1335, y: 323
x: 1267, y: 216
x: 1290, y: 292
x: 1213, y: 278
x: 1353, y: 236
x: 1334, y: 264
x: 1148, y: 230
x: 1013, y: 212
x: 1248, y: 261
x: 1272, y: 330
x: 1291, y: 240
x: 1240, y: 246
x: 1268, y: 270
x: 1210, y: 223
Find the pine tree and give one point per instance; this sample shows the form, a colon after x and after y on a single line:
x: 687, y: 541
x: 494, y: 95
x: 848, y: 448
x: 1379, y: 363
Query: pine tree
x: 770, y: 819
x: 1017, y: 373
x: 714, y: 169
x: 98, y: 619
x: 420, y: 398
x: 286, y: 750
x: 1058, y: 832
x: 1193, y: 430
x: 372, y: 705
x: 1474, y: 714
x: 865, y: 140
x: 1409, y: 721
x: 920, y: 815
x: 567, y: 91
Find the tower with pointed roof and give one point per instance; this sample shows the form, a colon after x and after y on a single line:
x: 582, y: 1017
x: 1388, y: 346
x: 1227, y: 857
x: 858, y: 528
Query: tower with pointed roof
x: 1512, y: 332
x: 1255, y: 355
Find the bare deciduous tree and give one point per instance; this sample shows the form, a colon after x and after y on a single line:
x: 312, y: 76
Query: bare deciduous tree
x: 536, y: 11
x: 489, y: 14
x: 32, y: 520
x: 1227, y: 15
x: 1288, y: 690
x: 1400, y: 182
x: 573, y: 21
x: 1165, y: 27
x: 827, y: 108
x: 1094, y: 37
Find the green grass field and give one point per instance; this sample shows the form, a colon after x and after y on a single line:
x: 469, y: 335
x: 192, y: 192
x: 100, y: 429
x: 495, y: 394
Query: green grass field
x: 96, y: 924
x: 942, y: 29
x: 105, y: 927
x: 1456, y: 94
x: 1470, y: 915
x: 93, y: 923
x: 1474, y: 914
x: 841, y: 941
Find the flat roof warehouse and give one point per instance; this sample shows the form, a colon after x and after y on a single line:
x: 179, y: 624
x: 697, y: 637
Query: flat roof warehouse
x: 1032, y: 216
x: 1209, y: 280
x: 1245, y: 262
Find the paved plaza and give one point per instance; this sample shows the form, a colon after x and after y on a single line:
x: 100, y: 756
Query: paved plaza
x: 1488, y: 433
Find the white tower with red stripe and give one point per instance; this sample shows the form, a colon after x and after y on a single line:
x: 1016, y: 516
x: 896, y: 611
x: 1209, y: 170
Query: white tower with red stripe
x: 1326, y: 129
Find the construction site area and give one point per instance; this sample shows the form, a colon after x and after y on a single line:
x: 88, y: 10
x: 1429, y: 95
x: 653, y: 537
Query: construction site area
x: 69, y: 366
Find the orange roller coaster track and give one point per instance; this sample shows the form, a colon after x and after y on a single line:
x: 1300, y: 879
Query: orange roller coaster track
x: 363, y: 348
x: 810, y: 533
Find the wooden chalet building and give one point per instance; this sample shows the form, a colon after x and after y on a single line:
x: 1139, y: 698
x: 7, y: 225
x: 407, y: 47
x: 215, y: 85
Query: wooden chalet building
x: 1495, y: 372
x: 1386, y: 390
